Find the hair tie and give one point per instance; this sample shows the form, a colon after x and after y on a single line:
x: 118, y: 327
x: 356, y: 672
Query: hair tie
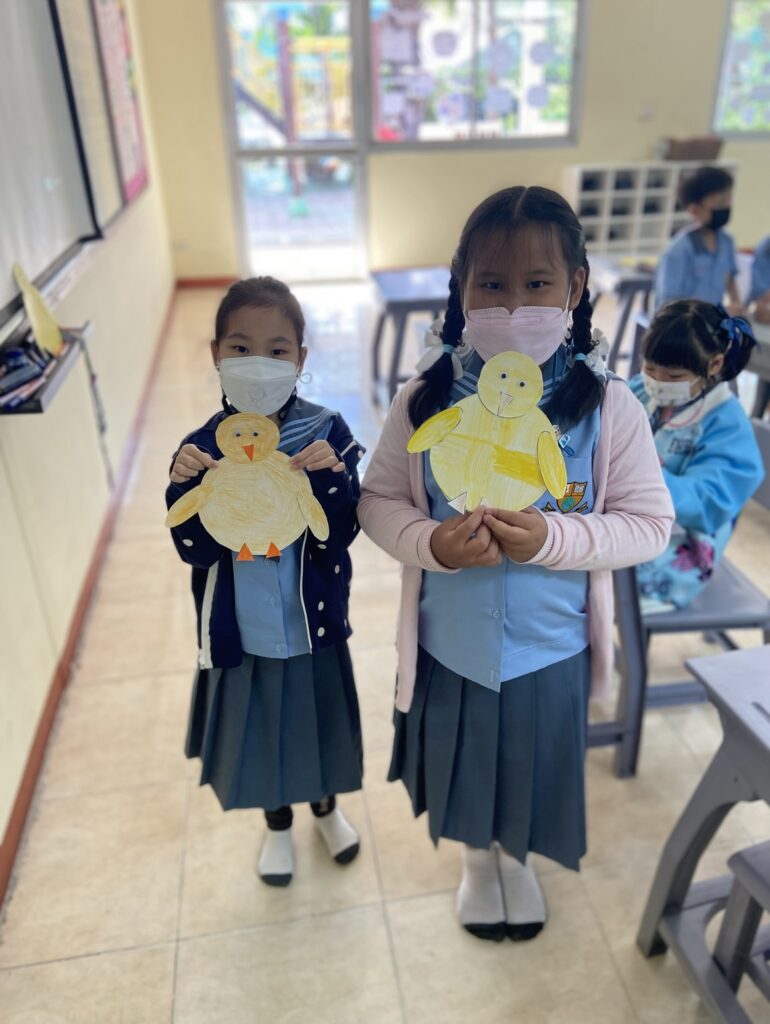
x: 435, y: 348
x: 596, y: 359
x: 735, y: 326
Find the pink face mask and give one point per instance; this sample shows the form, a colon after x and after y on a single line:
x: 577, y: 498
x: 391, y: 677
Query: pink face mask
x: 535, y: 331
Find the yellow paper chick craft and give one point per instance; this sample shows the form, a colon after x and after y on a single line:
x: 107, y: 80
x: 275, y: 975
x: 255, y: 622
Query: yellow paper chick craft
x: 496, y: 447
x: 44, y: 327
x: 253, y: 502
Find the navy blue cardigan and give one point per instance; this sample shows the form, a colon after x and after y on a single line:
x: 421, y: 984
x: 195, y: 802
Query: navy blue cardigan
x: 325, y: 567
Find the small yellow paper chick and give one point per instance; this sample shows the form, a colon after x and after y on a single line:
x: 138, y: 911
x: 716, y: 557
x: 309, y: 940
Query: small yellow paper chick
x: 496, y: 447
x: 253, y: 502
x: 44, y: 327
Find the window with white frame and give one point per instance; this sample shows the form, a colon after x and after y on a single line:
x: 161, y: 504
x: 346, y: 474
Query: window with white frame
x: 446, y: 71
x: 743, y: 99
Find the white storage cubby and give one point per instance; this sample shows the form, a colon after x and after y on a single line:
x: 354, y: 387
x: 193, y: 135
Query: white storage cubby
x: 631, y: 209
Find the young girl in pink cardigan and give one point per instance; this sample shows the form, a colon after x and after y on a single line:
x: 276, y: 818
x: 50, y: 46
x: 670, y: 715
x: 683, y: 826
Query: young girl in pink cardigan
x: 505, y: 621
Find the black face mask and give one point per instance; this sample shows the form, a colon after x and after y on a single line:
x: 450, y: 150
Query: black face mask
x: 719, y: 218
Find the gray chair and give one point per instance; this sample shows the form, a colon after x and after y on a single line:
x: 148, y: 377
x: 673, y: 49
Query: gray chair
x: 741, y: 947
x: 729, y: 602
x: 762, y: 434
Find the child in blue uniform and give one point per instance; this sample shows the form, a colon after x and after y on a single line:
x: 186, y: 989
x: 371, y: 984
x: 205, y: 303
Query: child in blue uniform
x: 711, y: 462
x: 760, y: 282
x: 700, y: 262
x: 274, y: 716
x: 506, y: 617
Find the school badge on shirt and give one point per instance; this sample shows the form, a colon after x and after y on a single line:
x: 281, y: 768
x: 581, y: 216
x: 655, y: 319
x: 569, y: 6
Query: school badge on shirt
x: 572, y: 499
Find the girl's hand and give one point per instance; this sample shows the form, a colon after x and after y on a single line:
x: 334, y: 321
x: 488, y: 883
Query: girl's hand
x: 318, y: 455
x: 189, y: 462
x: 520, y: 534
x: 463, y: 542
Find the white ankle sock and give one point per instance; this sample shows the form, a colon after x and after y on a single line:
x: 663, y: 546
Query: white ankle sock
x: 276, y: 859
x: 480, y: 906
x: 524, y: 901
x: 339, y: 835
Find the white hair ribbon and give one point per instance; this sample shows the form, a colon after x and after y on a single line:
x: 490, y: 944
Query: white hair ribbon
x: 435, y: 349
x: 596, y: 359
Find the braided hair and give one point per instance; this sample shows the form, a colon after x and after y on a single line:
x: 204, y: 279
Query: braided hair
x: 688, y: 333
x: 504, y: 214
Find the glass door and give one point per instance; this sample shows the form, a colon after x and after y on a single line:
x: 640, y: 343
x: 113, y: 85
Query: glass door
x: 298, y: 158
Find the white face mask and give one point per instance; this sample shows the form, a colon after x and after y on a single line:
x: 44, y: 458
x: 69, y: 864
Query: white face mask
x: 535, y: 331
x: 258, y: 384
x: 668, y: 393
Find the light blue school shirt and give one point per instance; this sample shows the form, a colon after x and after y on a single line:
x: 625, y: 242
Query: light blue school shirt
x: 268, y: 602
x: 688, y: 270
x: 495, y: 623
x: 760, y: 270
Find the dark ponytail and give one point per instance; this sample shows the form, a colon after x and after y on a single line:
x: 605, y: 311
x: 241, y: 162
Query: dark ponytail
x: 500, y: 216
x: 581, y: 391
x: 437, y: 379
x: 688, y: 333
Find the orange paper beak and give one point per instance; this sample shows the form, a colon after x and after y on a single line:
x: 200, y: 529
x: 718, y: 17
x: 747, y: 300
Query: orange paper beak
x: 249, y: 449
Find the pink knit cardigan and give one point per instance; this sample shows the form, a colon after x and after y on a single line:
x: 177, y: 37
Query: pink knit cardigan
x: 630, y: 523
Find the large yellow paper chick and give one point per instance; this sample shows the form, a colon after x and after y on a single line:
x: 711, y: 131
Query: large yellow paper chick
x: 496, y: 447
x: 253, y: 502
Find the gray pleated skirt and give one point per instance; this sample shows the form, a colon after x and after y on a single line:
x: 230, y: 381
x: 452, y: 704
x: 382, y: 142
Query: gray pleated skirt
x: 274, y: 732
x: 505, y: 767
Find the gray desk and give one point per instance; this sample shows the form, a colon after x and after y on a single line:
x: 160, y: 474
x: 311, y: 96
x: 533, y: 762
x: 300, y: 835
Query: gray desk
x: 760, y: 364
x: 738, y: 684
x: 627, y: 283
x: 411, y: 290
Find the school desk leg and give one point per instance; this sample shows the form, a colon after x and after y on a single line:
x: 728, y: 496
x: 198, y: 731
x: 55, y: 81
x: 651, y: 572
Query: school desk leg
x: 376, y: 346
x: 717, y: 792
x: 399, y: 323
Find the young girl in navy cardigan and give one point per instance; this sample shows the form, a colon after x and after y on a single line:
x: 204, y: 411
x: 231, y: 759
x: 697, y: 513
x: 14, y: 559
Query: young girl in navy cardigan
x: 274, y: 716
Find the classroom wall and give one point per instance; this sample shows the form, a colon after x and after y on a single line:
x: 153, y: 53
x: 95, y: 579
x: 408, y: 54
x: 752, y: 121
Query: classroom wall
x: 651, y: 71
x: 182, y: 75
x: 53, y: 487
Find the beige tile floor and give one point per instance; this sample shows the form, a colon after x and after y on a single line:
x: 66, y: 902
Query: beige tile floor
x: 135, y: 898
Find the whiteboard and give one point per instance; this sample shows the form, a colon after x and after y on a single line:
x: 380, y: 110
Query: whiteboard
x: 43, y: 205
x: 82, y: 48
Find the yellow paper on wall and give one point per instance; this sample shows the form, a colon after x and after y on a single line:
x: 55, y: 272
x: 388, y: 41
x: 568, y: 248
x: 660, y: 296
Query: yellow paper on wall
x: 495, y: 448
x: 41, y: 319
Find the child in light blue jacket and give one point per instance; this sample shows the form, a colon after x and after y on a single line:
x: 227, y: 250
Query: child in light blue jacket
x: 760, y: 282
x: 710, y: 459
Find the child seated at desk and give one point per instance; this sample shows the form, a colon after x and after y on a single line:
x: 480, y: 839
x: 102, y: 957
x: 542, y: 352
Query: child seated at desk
x: 711, y: 461
x: 699, y: 263
x: 760, y: 282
